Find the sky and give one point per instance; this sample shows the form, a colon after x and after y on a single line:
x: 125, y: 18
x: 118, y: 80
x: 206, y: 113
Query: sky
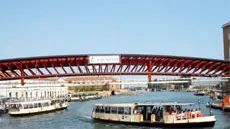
x: 162, y: 27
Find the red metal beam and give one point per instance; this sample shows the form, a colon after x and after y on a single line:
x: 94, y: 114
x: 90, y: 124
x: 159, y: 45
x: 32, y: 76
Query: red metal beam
x: 10, y: 68
x: 28, y: 67
x: 45, y: 64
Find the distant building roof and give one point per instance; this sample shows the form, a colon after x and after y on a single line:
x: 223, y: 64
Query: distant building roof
x: 90, y: 78
x: 48, y: 79
x: 226, y: 25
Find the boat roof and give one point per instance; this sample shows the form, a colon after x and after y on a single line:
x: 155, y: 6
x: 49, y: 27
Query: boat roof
x: 116, y: 105
x: 165, y: 104
x: 146, y: 104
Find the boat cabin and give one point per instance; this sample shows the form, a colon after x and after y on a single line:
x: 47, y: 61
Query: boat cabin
x: 29, y: 104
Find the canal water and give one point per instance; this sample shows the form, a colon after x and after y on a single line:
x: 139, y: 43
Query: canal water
x: 77, y: 116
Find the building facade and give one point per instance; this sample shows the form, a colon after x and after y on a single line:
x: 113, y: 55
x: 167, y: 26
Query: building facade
x: 93, y: 82
x: 226, y: 39
x: 32, y: 89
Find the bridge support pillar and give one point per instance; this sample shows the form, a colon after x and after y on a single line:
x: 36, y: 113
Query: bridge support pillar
x: 22, y: 75
x: 150, y: 74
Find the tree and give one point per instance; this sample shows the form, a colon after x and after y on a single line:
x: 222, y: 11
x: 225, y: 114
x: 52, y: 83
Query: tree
x: 105, y: 87
x: 186, y: 85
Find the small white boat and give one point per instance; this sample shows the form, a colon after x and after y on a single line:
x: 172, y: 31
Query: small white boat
x: 85, y: 98
x: 21, y: 108
x: 170, y: 115
x: 215, y: 105
x: 199, y: 93
x: 222, y: 105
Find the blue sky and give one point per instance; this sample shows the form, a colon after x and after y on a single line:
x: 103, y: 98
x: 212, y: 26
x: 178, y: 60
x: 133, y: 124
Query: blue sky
x: 162, y: 27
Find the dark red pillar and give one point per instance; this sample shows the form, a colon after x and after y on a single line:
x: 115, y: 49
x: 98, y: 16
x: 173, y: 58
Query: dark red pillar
x: 22, y: 75
x: 149, y: 74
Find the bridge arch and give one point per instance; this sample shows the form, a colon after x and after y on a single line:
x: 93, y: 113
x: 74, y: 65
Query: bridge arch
x: 111, y: 64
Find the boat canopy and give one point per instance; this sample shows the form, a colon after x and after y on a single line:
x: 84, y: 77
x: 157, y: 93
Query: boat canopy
x: 146, y: 104
x: 116, y: 105
x: 165, y: 104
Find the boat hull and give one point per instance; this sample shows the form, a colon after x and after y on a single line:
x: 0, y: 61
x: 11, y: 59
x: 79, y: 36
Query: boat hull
x: 176, y: 125
x: 199, y: 94
x: 219, y: 106
x: 226, y: 108
x: 40, y: 112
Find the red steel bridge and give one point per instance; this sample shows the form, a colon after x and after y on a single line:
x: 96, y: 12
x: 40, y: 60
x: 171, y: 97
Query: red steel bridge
x: 129, y: 64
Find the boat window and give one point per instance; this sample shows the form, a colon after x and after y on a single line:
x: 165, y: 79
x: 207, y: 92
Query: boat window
x: 114, y: 110
x: 35, y: 105
x: 46, y: 104
x: 107, y: 109
x: 30, y: 105
x: 25, y: 106
x: 120, y: 110
x: 179, y: 108
x: 16, y: 94
x: 96, y: 108
x: 20, y: 105
x: 127, y: 110
x: 26, y: 94
x: 102, y: 110
x: 10, y: 95
x: 12, y: 106
x: 39, y: 105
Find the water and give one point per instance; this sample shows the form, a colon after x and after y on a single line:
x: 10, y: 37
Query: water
x: 78, y: 114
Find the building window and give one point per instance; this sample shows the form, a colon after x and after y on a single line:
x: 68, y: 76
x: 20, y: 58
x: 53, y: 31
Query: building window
x: 229, y: 51
x: 31, y: 94
x: 229, y: 35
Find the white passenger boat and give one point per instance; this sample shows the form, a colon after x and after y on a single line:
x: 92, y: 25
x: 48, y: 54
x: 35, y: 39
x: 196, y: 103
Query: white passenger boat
x: 21, y: 108
x: 170, y: 115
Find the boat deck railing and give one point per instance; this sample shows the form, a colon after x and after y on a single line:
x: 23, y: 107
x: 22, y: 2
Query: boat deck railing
x: 34, y: 99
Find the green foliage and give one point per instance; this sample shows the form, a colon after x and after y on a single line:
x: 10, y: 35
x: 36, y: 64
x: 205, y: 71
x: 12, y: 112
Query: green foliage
x: 89, y: 88
x: 186, y: 85
x: 105, y: 87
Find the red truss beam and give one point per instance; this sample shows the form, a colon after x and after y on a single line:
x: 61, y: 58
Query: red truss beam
x: 71, y: 63
x: 27, y: 64
x: 45, y: 64
x: 62, y: 62
x: 129, y: 65
x: 9, y: 66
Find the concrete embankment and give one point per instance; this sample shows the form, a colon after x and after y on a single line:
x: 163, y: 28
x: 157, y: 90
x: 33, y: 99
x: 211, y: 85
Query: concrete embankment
x: 83, y: 96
